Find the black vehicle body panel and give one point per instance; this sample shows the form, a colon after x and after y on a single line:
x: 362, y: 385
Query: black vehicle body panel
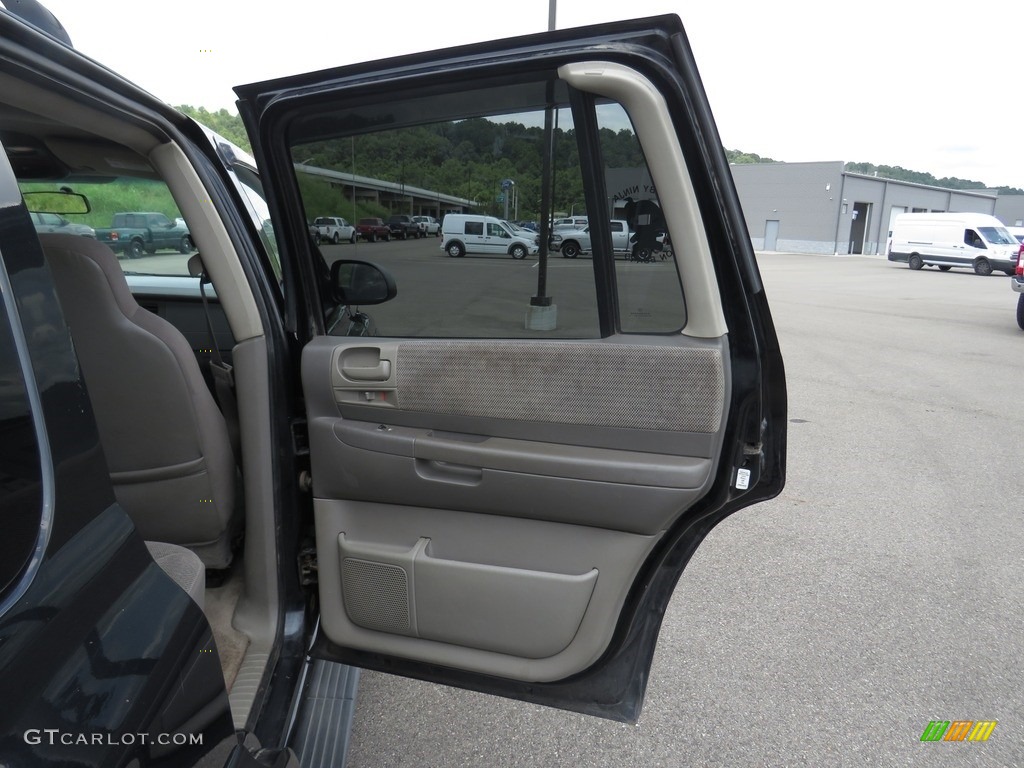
x: 101, y: 645
x: 178, y: 647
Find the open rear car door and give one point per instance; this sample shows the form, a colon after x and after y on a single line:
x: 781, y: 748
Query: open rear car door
x: 510, y: 478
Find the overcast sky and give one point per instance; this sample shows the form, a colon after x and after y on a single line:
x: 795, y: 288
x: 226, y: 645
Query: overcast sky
x: 892, y: 82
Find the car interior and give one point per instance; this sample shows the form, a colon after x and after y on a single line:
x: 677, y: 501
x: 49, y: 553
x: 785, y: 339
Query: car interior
x: 203, y: 510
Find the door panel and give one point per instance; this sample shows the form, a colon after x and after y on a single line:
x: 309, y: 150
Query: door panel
x: 473, y: 433
x: 429, y: 530
x: 499, y: 503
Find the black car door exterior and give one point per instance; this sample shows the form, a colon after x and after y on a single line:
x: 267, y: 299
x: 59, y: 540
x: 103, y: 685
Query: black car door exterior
x: 510, y: 479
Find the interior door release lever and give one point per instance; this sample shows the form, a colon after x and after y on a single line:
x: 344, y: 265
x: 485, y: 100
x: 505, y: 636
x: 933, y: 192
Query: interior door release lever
x: 379, y: 372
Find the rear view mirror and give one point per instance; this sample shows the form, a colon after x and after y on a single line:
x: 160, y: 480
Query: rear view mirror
x: 56, y: 202
x: 361, y: 283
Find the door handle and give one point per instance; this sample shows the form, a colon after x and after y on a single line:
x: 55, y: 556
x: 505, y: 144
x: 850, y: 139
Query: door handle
x: 379, y: 372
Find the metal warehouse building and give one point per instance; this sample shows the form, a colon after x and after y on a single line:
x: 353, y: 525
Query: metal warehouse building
x: 819, y: 208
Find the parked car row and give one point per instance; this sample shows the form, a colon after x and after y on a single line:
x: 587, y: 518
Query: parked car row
x: 335, y: 229
x: 478, y: 233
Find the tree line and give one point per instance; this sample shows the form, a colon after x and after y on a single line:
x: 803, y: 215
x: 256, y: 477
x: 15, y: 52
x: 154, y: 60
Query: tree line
x: 896, y: 173
x: 469, y: 158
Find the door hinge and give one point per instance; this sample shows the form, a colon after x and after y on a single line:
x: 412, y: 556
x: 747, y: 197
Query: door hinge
x: 308, y: 568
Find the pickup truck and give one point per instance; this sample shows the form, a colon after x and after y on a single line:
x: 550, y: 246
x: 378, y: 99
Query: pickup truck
x: 429, y: 225
x: 402, y: 226
x: 572, y: 242
x: 333, y: 229
x: 138, y: 233
x: 373, y: 228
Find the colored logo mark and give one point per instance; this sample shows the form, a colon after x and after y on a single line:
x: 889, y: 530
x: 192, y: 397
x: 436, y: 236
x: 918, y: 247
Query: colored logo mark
x: 958, y: 730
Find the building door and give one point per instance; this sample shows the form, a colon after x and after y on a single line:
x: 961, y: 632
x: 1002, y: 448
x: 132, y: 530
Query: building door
x: 771, y: 234
x: 859, y: 226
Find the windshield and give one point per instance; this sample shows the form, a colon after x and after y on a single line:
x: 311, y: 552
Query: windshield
x: 997, y: 236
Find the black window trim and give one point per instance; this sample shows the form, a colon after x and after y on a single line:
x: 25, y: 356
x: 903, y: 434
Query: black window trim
x: 28, y: 575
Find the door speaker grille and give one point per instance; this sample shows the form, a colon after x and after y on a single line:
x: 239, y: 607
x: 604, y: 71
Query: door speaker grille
x: 376, y: 595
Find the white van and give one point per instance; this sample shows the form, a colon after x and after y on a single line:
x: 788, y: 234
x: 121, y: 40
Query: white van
x: 463, y: 233
x: 948, y: 240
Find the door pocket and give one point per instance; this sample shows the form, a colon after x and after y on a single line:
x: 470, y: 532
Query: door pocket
x: 526, y: 613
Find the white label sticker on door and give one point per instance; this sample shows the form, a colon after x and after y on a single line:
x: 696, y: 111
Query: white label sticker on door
x: 742, y: 479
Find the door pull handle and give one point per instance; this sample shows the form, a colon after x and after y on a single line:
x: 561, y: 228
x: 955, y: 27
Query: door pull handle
x: 379, y: 372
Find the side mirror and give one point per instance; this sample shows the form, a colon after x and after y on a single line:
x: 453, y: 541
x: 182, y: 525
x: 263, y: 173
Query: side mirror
x: 56, y: 202
x: 361, y: 283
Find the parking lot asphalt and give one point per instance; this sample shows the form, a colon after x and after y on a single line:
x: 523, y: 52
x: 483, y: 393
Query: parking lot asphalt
x: 882, y: 590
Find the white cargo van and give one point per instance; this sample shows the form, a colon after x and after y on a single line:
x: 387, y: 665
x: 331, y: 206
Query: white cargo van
x: 463, y: 233
x: 948, y: 240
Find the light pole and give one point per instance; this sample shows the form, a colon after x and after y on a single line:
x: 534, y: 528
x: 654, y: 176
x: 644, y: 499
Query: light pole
x: 542, y: 313
x: 507, y: 187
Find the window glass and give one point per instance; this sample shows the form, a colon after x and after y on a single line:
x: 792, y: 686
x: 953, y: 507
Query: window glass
x: 475, y: 160
x: 649, y: 288
x: 480, y: 152
x: 973, y: 239
x: 137, y: 218
x: 252, y: 189
x: 997, y: 235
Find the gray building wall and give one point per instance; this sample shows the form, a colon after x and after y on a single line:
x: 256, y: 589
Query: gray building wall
x: 817, y: 208
x: 882, y: 199
x: 1010, y: 210
x: 802, y: 197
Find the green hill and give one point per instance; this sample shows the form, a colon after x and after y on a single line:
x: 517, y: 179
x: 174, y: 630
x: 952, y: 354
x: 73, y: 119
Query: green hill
x: 462, y: 158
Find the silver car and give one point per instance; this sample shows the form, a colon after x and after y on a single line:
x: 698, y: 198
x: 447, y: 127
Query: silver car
x: 54, y: 222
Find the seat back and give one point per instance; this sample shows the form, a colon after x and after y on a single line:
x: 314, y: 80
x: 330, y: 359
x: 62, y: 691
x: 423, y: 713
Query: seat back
x: 165, y: 440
